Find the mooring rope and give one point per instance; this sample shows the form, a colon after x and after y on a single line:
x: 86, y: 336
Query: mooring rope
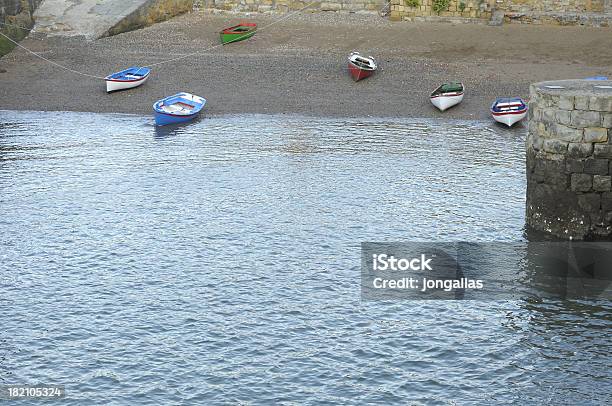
x: 385, y: 10
x: 244, y: 35
x: 286, y: 16
x: 50, y: 61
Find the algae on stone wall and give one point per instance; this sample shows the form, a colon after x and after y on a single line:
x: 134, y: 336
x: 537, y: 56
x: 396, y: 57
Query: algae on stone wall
x: 17, y: 19
x: 17, y: 34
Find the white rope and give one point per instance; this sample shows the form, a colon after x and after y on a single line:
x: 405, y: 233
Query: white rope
x: 246, y: 34
x: 153, y: 64
x: 385, y: 10
x: 50, y: 61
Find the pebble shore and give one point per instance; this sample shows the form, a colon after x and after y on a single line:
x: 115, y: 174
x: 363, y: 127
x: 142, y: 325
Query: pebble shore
x: 298, y: 65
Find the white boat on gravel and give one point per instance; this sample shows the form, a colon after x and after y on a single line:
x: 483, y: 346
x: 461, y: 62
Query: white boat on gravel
x: 509, y: 111
x: 447, y: 95
x: 127, y: 79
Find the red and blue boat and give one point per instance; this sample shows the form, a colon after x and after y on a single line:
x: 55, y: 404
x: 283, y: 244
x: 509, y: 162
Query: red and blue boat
x: 509, y: 110
x: 179, y: 108
x: 127, y: 78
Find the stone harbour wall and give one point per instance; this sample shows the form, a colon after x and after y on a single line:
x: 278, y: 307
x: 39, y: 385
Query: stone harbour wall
x: 262, y: 6
x: 93, y: 19
x: 558, y: 12
x: 588, y: 19
x: 573, y: 6
x: 569, y: 159
x: 415, y: 10
x: 554, y: 12
x: 16, y: 13
x: 152, y: 11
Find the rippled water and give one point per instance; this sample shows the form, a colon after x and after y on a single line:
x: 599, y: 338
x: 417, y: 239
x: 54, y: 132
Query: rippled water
x: 219, y: 263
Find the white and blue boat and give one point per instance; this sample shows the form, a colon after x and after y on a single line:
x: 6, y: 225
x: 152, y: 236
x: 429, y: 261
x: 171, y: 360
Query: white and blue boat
x: 596, y: 78
x: 179, y: 108
x: 509, y: 110
x: 127, y: 78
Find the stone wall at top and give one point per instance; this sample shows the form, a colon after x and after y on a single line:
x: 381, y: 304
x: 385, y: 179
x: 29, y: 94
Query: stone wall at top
x: 262, y: 6
x: 567, y: 6
x: 440, y: 9
x: 559, y: 12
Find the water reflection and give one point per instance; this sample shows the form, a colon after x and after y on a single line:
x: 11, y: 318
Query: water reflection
x: 172, y: 130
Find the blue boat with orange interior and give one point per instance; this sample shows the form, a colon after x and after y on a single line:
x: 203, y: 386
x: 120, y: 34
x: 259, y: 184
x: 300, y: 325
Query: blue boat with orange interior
x: 178, y: 108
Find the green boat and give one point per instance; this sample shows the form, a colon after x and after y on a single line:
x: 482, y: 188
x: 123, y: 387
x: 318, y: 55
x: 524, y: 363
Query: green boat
x: 238, y: 32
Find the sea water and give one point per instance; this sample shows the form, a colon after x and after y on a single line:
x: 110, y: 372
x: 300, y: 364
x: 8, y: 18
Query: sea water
x: 218, y: 262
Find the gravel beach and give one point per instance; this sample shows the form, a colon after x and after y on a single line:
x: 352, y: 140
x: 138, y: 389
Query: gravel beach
x: 298, y: 65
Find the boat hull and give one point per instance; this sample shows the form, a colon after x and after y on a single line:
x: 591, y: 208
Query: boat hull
x: 113, y: 85
x: 229, y: 38
x: 444, y: 102
x: 509, y: 118
x: 358, y: 73
x: 166, y: 119
x: 238, y: 32
x: 178, y: 108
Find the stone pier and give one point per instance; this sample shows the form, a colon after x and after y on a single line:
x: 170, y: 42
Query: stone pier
x: 569, y: 157
x: 93, y: 19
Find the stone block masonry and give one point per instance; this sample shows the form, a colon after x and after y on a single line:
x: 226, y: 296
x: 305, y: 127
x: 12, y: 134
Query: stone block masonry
x: 263, y: 6
x: 397, y: 9
x: 557, y: 12
x: 574, y: 12
x: 569, y: 159
x: 553, y: 12
x: 431, y: 10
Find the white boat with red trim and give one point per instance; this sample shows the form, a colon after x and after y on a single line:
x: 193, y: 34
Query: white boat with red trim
x: 447, y: 95
x: 509, y: 111
x: 127, y: 78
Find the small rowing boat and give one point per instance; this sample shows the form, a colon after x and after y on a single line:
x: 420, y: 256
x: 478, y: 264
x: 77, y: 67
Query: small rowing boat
x: 596, y: 78
x: 127, y: 79
x: 447, y: 95
x: 179, y: 108
x: 238, y: 32
x: 509, y: 110
x: 360, y: 66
